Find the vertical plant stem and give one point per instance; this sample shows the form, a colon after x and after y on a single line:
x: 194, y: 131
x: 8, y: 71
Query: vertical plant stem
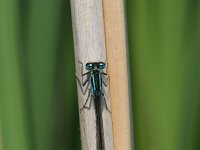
x: 89, y: 43
x: 114, y: 20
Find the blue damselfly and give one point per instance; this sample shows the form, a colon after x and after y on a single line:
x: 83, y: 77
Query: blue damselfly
x: 94, y: 84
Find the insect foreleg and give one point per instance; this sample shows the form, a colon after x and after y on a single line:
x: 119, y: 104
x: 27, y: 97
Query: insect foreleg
x: 81, y: 85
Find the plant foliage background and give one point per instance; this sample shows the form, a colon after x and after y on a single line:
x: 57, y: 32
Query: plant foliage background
x: 38, y: 103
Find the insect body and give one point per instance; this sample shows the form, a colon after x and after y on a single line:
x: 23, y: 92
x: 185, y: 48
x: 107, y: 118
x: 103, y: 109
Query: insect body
x: 95, y: 77
x: 94, y: 83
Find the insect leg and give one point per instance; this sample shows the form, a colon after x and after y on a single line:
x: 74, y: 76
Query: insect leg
x: 105, y: 84
x: 105, y: 74
x: 81, y: 82
x: 105, y: 102
x: 82, y: 74
x: 84, y: 106
x: 81, y: 85
x: 89, y: 104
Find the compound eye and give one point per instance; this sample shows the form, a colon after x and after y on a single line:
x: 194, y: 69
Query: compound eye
x: 101, y: 65
x: 89, y: 66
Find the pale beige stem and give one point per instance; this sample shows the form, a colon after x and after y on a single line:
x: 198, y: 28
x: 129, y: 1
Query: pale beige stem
x: 115, y: 33
x: 89, y: 43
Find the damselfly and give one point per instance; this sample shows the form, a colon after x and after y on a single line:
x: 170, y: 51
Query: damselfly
x: 94, y: 84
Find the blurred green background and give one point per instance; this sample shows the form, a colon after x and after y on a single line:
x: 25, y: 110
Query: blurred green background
x: 38, y: 102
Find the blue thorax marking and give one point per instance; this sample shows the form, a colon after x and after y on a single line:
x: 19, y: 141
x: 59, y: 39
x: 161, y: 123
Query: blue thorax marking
x: 95, y: 69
